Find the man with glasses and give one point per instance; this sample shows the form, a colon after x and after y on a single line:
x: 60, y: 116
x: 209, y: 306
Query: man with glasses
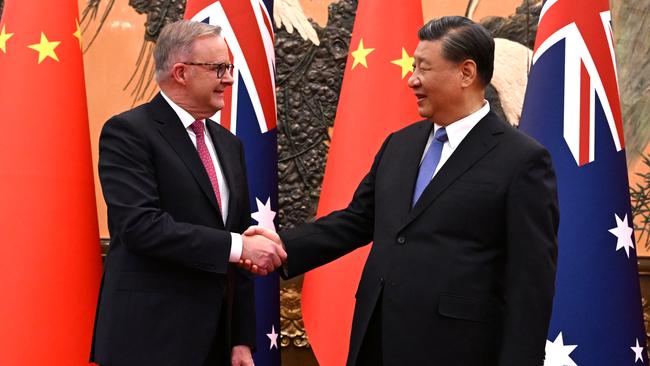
x: 175, y: 185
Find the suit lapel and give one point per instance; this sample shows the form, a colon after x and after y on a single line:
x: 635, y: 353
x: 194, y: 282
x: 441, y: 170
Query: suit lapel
x: 172, y: 130
x: 226, y: 154
x: 409, y: 159
x: 478, y: 142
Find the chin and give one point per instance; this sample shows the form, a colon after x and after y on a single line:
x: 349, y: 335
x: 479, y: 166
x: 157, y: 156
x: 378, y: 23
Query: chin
x: 217, y: 106
x: 424, y: 113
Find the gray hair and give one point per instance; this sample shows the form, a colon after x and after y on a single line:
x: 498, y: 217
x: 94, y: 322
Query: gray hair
x: 175, y: 42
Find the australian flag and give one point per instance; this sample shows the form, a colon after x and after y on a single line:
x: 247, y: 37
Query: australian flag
x: 250, y: 113
x: 572, y: 107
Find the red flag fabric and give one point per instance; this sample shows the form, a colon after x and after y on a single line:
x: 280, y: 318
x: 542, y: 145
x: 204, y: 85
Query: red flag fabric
x: 375, y: 101
x: 50, y: 265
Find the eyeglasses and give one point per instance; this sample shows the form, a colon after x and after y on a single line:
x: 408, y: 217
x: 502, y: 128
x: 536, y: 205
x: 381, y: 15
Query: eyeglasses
x: 219, y: 68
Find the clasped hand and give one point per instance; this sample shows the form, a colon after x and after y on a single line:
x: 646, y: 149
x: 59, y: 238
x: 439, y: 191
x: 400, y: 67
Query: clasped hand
x: 262, y: 251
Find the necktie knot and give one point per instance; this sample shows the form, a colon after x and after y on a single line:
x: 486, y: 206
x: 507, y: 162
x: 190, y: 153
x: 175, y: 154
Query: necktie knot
x: 197, y: 127
x: 441, y: 135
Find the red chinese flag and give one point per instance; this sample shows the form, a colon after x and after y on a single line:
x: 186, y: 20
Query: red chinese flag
x: 375, y: 100
x: 50, y: 265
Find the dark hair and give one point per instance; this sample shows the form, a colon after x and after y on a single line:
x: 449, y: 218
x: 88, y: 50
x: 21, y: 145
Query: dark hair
x: 462, y: 39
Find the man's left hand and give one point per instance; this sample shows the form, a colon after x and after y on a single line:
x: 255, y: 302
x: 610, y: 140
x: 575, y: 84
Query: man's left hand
x: 241, y: 356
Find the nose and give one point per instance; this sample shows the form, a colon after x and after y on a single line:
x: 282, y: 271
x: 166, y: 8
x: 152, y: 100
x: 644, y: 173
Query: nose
x: 413, y: 81
x: 227, y: 78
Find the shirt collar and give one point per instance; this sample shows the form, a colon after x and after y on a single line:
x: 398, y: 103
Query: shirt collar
x: 456, y: 131
x: 182, y: 114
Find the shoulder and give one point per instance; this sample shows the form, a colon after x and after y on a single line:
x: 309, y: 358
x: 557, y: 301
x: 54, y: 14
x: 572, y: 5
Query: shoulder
x: 414, y: 128
x: 223, y: 135
x: 218, y: 128
x: 410, y: 133
x: 132, y: 119
x: 134, y: 126
x: 222, y: 131
x: 512, y: 138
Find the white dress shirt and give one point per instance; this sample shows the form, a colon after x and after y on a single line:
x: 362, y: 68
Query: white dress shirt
x: 456, y: 132
x: 187, y: 120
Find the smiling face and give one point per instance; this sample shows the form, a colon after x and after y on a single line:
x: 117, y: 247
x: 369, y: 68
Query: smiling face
x: 204, y: 91
x: 436, y: 82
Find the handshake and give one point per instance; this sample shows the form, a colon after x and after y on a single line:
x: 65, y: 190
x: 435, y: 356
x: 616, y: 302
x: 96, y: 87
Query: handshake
x: 263, y: 251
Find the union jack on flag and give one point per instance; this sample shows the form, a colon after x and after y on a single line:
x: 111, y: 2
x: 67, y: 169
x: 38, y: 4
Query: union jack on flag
x: 250, y: 113
x: 572, y: 107
x: 590, y: 70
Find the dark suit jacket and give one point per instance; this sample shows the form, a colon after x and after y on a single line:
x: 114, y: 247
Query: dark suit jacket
x: 168, y: 292
x: 467, y: 276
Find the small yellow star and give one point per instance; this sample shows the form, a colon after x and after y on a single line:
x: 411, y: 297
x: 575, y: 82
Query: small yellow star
x: 45, y: 48
x: 360, y: 55
x: 406, y: 63
x: 3, y: 39
x: 77, y: 33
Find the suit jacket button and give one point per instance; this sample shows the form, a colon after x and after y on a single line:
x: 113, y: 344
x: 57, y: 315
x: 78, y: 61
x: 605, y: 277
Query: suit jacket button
x: 401, y: 240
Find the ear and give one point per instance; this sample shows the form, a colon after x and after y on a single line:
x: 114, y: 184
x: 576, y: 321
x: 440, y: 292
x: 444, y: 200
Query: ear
x: 179, y: 73
x: 468, y: 73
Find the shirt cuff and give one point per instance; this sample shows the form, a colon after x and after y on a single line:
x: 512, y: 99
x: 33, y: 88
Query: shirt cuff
x: 236, y: 246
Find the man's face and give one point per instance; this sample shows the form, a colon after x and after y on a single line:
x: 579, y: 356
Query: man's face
x: 205, y: 90
x: 436, y: 82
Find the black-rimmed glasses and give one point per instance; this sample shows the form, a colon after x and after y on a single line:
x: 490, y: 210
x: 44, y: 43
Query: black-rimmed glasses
x: 219, y: 68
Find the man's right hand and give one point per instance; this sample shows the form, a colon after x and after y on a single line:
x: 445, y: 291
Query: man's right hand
x: 262, y: 253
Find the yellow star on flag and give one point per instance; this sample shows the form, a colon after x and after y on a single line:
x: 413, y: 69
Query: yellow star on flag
x: 4, y: 36
x: 45, y: 48
x: 406, y: 63
x: 77, y: 33
x: 360, y: 55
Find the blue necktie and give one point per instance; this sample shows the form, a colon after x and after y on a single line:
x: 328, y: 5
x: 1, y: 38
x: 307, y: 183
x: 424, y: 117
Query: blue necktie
x: 429, y: 163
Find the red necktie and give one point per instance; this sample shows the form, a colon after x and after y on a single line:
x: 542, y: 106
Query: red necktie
x: 204, y: 154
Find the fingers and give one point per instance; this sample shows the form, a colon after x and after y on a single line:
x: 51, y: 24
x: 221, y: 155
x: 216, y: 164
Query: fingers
x: 248, y: 265
x: 277, y: 262
x: 252, y: 230
x: 245, y: 264
x: 241, y: 356
x: 259, y: 271
x: 282, y: 253
x: 267, y: 233
x: 263, y: 252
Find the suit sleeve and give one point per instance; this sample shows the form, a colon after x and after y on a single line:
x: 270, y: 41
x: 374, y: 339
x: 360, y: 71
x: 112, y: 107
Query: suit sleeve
x: 330, y: 237
x: 130, y: 189
x: 532, y: 224
x: 243, y: 309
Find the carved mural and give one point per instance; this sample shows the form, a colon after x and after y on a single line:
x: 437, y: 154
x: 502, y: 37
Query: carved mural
x: 308, y: 84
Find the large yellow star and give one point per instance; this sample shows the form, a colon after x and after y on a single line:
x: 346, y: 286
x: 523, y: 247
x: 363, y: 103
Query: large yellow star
x: 4, y: 36
x: 77, y: 33
x: 360, y: 55
x: 45, y: 48
x: 406, y: 63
